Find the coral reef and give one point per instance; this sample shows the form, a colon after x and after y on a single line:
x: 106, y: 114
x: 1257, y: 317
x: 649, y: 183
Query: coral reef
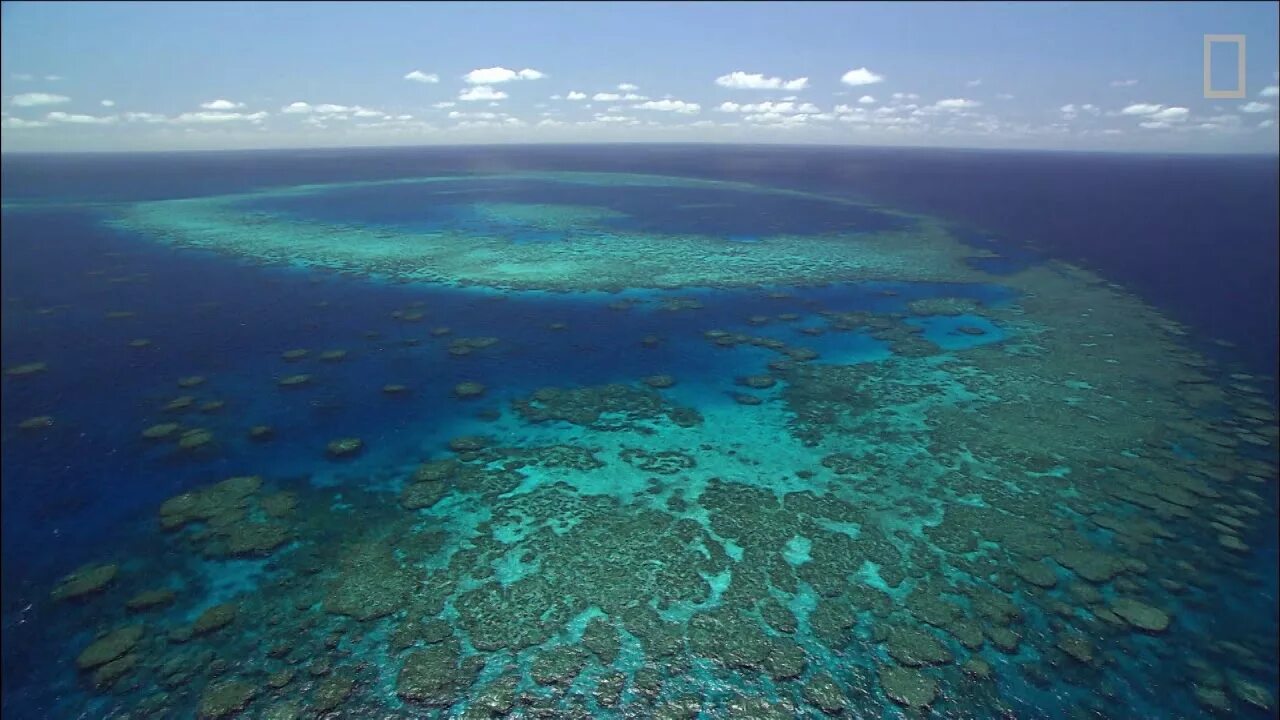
x: 604, y: 407
x: 1050, y: 510
x: 261, y: 433
x: 87, y: 580
x: 39, y: 422
x: 32, y: 368
x: 467, y: 390
x: 604, y: 254
x: 109, y: 647
x: 345, y: 447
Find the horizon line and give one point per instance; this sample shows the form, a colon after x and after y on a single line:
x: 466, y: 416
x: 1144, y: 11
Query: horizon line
x: 1273, y: 154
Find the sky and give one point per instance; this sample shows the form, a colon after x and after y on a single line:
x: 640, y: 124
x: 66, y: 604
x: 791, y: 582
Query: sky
x: 1095, y: 76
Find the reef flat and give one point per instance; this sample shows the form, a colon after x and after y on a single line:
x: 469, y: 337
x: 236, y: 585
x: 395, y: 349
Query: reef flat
x: 592, y: 250
x: 952, y: 494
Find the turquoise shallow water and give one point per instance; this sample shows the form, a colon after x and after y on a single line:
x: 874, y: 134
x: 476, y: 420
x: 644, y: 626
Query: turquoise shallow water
x: 1020, y: 493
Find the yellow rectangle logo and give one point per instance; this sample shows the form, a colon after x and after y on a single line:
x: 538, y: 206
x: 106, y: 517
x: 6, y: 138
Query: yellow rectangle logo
x: 1209, y: 92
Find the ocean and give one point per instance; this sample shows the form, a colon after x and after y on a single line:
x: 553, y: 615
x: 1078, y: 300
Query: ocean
x: 639, y: 431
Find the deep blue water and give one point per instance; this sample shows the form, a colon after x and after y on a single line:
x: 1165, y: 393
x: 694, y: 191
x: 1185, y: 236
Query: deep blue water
x: 1185, y: 233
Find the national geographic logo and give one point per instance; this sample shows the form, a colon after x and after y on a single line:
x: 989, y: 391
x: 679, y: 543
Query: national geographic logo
x: 1238, y: 91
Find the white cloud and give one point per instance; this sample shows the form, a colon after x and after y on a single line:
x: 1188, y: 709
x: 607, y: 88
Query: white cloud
x: 1004, y: 96
x: 896, y: 121
x: 444, y: 104
x: 456, y: 115
x: 1255, y: 107
x: 331, y: 109
x: 739, y: 80
x: 866, y: 100
x: 973, y: 83
x: 1156, y: 116
x: 905, y: 96
x: 678, y: 106
x: 1269, y: 91
x: 1267, y: 123
x: 221, y: 105
x: 613, y: 97
x: 783, y: 120
x: 217, y: 116
x: 956, y: 104
x: 419, y: 76
x: 1225, y: 119
x: 363, y: 112
x: 1123, y: 83
x: 1070, y: 111
x: 13, y: 123
x: 62, y: 117
x: 1170, y: 114
x: 108, y: 103
x: 784, y: 108
x: 38, y: 98
x: 490, y: 76
x: 1142, y: 109
x: 628, y: 87
x: 23, y: 77
x: 484, y: 76
x: 575, y: 95
x: 616, y: 119
x: 505, y: 122
x: 296, y: 108
x: 1232, y: 123
x: 861, y: 76
x: 144, y: 117
x: 481, y: 92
